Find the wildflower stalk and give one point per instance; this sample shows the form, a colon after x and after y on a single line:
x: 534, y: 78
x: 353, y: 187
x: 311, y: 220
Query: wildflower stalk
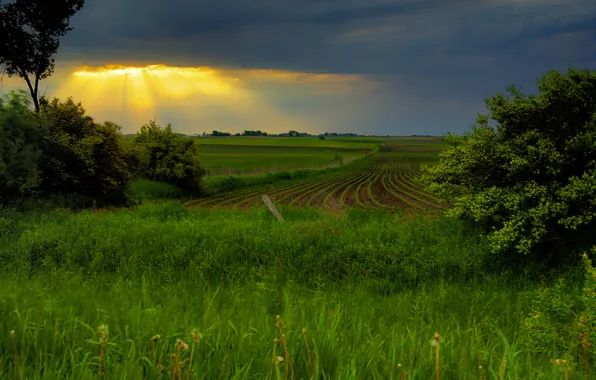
x: 312, y: 369
x: 195, y: 341
x: 16, y: 356
x: 285, y: 343
x: 173, y: 356
x: 102, y: 331
x: 402, y: 372
x: 275, y: 341
x: 562, y: 363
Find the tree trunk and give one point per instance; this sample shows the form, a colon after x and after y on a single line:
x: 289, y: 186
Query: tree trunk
x: 32, y: 90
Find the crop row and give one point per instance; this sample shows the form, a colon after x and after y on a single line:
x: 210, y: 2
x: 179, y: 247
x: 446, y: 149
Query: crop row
x: 383, y: 181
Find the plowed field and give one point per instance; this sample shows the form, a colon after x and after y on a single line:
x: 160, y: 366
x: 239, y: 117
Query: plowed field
x: 383, y: 181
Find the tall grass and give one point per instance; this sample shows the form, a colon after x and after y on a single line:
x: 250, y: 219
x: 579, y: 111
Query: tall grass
x: 169, y: 240
x: 149, y: 190
x: 370, y: 288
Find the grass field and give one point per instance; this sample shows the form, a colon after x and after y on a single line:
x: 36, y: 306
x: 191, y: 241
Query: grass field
x: 370, y: 288
x: 371, y: 271
x: 250, y: 155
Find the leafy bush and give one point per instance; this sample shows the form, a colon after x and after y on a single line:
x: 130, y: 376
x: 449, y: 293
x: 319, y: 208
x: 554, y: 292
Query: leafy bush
x: 165, y: 156
x: 20, y: 152
x: 81, y: 157
x: 532, y: 179
x: 561, y: 322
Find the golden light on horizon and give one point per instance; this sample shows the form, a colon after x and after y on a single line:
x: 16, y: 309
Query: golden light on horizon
x: 137, y: 94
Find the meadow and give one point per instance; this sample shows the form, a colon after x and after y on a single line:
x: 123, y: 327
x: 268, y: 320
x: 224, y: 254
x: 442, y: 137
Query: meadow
x: 370, y: 288
x: 364, y: 279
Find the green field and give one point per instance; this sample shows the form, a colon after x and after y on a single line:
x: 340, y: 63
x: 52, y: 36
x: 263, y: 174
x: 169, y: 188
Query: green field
x: 244, y: 155
x: 370, y: 288
x: 364, y: 261
x: 238, y: 159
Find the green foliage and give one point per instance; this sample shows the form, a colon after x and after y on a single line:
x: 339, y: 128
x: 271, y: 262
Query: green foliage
x: 30, y: 32
x: 20, y: 153
x: 17, y: 101
x: 532, y: 179
x: 81, y: 157
x: 562, y: 321
x: 146, y: 190
x: 165, y: 156
x: 321, y: 137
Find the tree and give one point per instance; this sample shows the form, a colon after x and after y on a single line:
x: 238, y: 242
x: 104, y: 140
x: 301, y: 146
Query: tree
x: 30, y: 32
x: 81, y: 157
x: 532, y: 178
x: 20, y: 148
x: 165, y: 156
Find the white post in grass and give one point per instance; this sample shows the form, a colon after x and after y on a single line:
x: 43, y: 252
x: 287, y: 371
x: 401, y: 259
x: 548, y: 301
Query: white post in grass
x: 272, y: 208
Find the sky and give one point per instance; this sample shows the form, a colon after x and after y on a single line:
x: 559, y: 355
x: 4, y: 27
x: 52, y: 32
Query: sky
x: 375, y: 67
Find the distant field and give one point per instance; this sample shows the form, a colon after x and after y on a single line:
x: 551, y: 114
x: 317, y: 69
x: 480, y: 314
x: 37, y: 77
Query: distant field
x: 238, y: 159
x: 243, y: 155
x: 383, y: 181
x: 263, y: 154
x: 360, y: 142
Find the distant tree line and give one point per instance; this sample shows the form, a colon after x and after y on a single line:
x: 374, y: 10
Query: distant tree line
x: 217, y: 133
x: 292, y: 133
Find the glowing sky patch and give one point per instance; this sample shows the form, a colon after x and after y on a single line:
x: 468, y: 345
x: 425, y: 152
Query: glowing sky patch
x: 223, y: 99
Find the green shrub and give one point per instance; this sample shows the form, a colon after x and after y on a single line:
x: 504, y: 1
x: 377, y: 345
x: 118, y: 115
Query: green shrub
x: 563, y: 322
x: 165, y: 156
x: 532, y: 179
x: 20, y: 152
x: 81, y: 157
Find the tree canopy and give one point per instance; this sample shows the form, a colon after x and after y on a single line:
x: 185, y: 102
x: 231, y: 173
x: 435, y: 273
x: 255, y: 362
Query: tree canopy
x: 532, y: 178
x: 168, y: 157
x: 30, y: 32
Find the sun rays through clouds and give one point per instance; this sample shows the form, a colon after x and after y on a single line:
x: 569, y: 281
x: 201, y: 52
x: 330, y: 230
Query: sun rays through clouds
x: 133, y: 95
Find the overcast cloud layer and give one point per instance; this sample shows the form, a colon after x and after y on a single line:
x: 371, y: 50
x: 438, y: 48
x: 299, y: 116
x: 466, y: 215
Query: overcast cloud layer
x: 421, y: 67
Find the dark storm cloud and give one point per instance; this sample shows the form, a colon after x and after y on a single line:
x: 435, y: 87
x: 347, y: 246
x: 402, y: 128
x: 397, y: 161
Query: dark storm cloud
x: 443, y: 54
x: 300, y: 34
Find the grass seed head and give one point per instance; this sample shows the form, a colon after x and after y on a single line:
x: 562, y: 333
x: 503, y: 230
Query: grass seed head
x: 12, y: 333
x: 435, y: 340
x: 181, y: 345
x: 155, y: 338
x: 195, y: 336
